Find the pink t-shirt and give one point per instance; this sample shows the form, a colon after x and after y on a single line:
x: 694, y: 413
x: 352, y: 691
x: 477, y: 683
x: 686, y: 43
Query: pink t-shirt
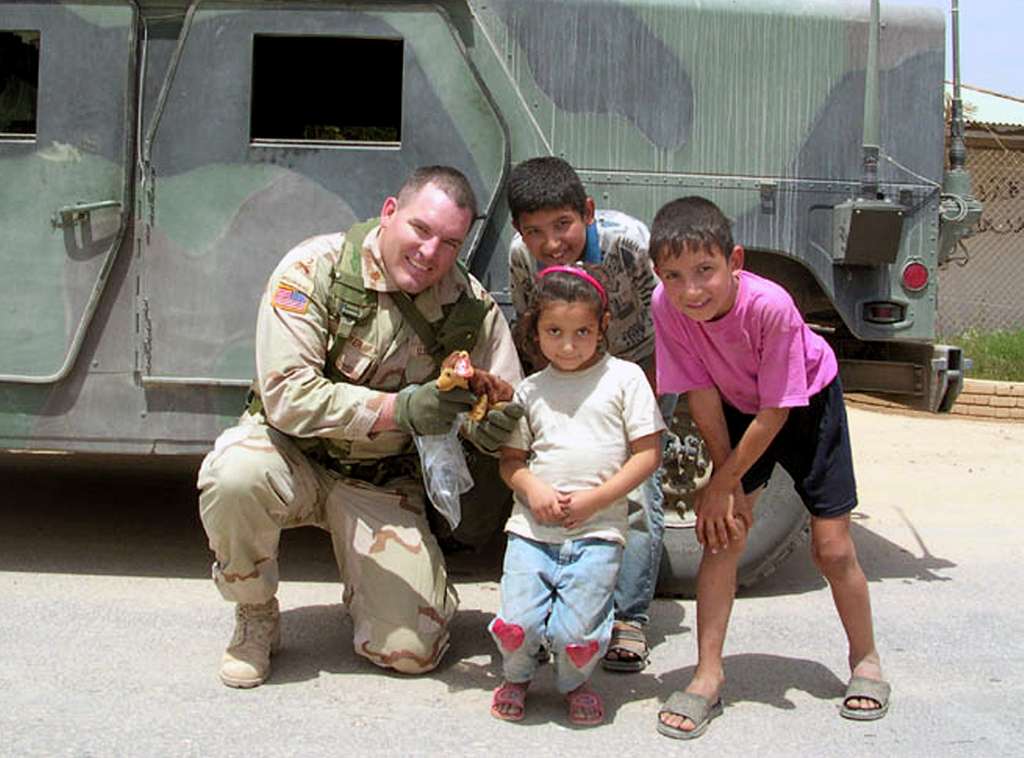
x: 759, y: 355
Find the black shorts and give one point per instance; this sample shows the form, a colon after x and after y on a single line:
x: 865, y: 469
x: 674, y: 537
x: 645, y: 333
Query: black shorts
x: 813, y: 446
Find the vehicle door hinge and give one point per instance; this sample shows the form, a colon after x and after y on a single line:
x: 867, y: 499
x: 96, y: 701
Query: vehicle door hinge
x: 144, y: 327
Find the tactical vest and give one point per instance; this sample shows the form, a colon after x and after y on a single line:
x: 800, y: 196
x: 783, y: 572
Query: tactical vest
x: 349, y: 304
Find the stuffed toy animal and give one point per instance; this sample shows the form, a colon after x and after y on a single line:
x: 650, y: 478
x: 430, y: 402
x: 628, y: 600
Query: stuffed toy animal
x: 491, y: 391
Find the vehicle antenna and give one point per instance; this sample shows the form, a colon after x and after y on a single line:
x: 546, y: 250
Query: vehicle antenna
x: 872, y: 142
x: 957, y: 148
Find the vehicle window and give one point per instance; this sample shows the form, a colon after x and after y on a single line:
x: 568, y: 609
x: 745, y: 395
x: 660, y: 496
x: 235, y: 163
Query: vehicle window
x: 326, y: 90
x: 19, y: 83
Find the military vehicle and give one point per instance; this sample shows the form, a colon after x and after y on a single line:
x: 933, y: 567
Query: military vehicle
x: 158, y: 157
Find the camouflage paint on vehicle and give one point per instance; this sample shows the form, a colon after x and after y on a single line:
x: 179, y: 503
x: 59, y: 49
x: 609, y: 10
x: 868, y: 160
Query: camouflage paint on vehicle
x: 129, y: 328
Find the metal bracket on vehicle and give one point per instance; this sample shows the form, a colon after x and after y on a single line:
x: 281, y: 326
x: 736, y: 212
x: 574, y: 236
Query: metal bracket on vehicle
x: 768, y: 191
x: 901, y: 377
x: 866, y: 232
x: 70, y: 215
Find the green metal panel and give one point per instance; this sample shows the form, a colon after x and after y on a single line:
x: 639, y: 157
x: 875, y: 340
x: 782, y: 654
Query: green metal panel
x: 146, y: 346
x: 222, y: 211
x: 733, y: 87
x: 732, y: 99
x: 63, y: 189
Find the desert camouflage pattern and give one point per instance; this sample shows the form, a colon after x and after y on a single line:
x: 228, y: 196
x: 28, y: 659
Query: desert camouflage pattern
x: 261, y: 477
x: 381, y: 355
x: 629, y: 281
x: 256, y: 482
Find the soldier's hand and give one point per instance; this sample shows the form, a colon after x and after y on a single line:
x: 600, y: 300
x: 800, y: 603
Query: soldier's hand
x: 424, y: 409
x: 496, y: 427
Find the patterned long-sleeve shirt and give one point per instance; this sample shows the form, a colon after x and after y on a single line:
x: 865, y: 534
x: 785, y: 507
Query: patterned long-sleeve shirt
x: 622, y: 246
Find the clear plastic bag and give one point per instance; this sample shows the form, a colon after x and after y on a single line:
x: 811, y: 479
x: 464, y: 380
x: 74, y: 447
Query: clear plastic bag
x: 445, y: 473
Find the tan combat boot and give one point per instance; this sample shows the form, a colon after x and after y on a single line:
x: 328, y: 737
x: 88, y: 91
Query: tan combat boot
x: 246, y: 662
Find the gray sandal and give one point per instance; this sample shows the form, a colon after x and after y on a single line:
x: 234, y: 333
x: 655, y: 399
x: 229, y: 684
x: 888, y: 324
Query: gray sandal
x: 871, y: 689
x: 699, y: 709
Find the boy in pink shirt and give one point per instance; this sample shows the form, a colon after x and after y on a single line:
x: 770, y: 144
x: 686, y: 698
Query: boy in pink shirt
x: 763, y: 389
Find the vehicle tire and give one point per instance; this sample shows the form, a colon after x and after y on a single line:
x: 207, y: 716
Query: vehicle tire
x: 781, y: 523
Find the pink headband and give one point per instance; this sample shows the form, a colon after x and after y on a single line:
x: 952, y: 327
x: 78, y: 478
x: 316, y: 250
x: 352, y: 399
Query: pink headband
x: 576, y: 271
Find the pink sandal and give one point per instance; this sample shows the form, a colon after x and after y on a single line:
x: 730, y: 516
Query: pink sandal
x: 585, y: 706
x: 512, y: 695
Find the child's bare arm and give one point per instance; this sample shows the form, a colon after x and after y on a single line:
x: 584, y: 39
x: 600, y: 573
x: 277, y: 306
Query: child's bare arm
x: 546, y: 503
x: 644, y: 460
x: 752, y: 444
x: 706, y: 411
x: 511, y: 461
x: 714, y: 509
x: 716, y: 519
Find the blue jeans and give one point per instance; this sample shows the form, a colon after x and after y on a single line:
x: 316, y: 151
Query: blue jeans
x: 559, y: 595
x: 642, y: 557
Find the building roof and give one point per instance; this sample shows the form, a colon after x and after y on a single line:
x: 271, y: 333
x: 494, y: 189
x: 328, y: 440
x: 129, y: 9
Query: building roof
x: 983, y: 106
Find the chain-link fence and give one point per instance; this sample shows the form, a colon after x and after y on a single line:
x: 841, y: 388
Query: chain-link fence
x: 982, y: 287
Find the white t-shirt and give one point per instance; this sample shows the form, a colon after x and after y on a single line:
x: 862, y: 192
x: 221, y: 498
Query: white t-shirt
x: 578, y: 426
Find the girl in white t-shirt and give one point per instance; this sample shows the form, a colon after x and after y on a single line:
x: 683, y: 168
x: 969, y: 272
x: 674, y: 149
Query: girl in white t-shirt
x: 590, y: 434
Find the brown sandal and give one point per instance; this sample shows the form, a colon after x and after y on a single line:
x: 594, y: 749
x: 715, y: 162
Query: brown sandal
x: 627, y: 650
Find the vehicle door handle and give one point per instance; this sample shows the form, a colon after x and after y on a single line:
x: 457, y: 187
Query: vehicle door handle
x: 70, y: 215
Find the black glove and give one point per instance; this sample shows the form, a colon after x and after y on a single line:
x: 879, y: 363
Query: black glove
x: 496, y: 427
x: 424, y: 409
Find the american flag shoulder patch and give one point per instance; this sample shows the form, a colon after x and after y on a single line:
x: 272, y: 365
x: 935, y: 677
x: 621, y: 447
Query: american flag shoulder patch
x: 287, y: 298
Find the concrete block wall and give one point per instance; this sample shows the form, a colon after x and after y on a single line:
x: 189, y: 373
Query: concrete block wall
x: 1002, y: 400
x: 979, y: 399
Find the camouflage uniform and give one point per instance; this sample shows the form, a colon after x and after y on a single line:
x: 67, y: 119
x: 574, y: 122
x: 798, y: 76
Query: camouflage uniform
x: 304, y: 454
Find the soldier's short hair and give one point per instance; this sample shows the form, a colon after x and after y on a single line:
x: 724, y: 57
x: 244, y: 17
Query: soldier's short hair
x: 449, y: 180
x: 689, y: 222
x: 545, y: 183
